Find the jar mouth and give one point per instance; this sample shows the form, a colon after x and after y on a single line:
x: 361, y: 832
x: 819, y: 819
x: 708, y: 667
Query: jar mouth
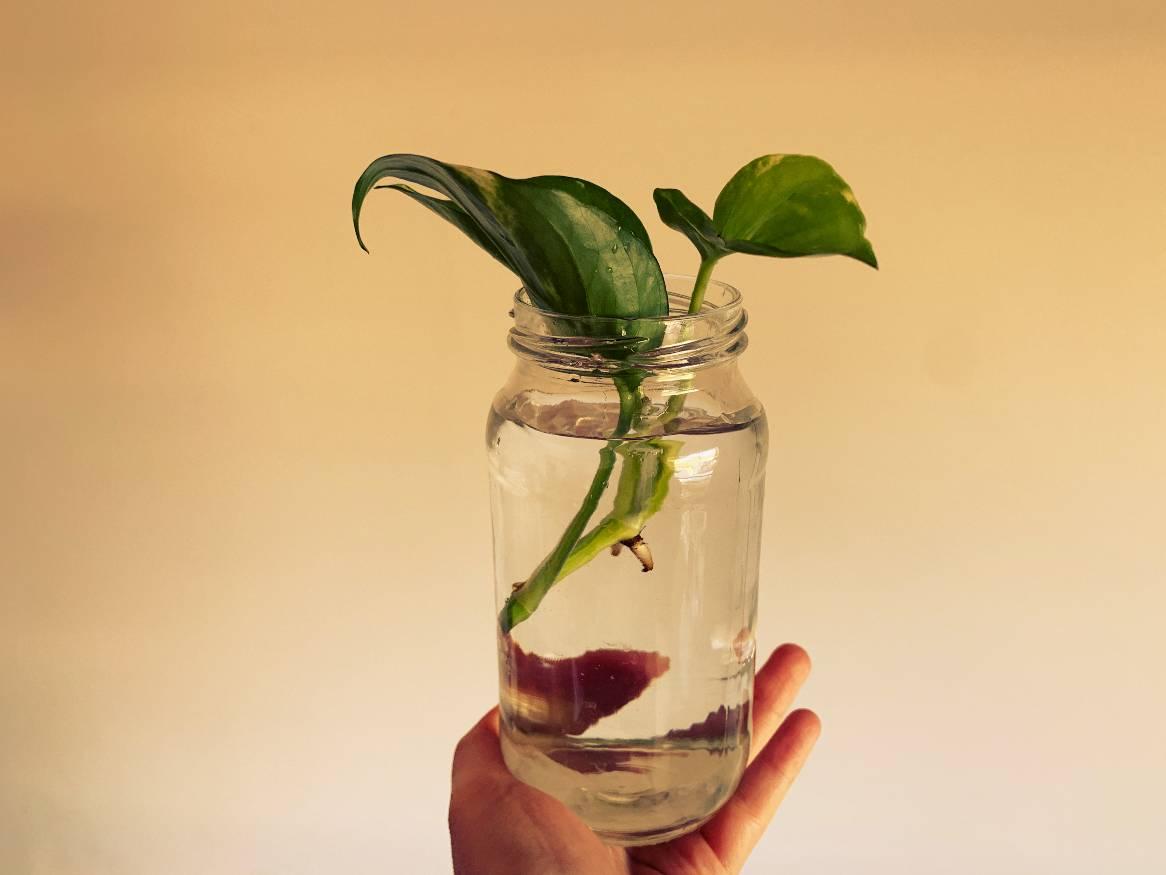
x: 718, y: 296
x: 605, y: 345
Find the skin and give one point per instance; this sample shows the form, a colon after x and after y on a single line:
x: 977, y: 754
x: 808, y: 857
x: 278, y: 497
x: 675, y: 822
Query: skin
x: 500, y: 826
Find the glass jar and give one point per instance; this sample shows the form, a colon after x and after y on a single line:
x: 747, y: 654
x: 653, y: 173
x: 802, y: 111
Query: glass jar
x: 627, y: 463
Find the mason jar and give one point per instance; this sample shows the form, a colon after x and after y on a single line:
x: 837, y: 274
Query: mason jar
x: 627, y: 469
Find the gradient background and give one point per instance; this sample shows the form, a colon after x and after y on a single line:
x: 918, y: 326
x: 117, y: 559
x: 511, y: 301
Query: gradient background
x: 239, y: 456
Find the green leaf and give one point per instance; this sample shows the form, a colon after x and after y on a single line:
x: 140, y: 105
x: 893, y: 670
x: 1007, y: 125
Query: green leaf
x: 791, y: 205
x: 599, y: 199
x: 784, y: 206
x: 577, y: 249
x: 681, y: 214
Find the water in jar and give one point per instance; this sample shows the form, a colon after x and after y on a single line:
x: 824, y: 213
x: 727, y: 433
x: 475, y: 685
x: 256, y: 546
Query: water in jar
x: 626, y: 694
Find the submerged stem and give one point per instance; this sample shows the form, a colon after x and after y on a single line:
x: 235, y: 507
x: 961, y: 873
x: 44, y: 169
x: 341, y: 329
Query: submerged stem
x: 527, y: 596
x: 643, y: 485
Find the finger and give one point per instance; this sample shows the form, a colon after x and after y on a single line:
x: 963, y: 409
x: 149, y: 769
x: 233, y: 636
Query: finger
x: 478, y: 755
x: 743, y: 819
x: 774, y: 690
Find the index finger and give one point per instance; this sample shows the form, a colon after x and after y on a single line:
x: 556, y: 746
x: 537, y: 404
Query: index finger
x: 738, y: 826
x: 774, y: 690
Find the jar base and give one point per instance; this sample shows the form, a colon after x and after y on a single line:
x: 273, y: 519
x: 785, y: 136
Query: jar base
x: 656, y: 837
x: 628, y: 793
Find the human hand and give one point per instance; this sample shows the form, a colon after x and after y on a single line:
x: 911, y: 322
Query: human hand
x: 500, y: 826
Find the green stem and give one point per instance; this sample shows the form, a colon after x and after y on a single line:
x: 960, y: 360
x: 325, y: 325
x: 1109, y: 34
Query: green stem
x: 527, y: 596
x: 630, y: 401
x: 703, y: 275
x: 574, y: 549
x: 647, y: 469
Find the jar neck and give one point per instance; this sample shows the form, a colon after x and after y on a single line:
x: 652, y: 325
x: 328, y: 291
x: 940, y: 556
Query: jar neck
x: 660, y: 347
x: 570, y: 378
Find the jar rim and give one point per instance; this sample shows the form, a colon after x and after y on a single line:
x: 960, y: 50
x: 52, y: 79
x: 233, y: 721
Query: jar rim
x: 719, y: 296
x: 612, y: 344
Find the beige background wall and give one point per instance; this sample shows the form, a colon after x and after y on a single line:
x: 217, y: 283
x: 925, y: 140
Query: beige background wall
x: 236, y: 454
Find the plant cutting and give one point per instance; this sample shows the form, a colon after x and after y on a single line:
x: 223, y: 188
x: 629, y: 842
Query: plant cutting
x: 625, y: 693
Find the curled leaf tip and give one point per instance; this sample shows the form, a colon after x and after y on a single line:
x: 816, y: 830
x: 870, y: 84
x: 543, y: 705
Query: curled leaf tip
x: 357, y: 202
x: 866, y: 254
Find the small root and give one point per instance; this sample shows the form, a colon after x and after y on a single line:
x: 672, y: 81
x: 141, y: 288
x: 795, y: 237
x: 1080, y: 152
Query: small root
x: 640, y: 550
